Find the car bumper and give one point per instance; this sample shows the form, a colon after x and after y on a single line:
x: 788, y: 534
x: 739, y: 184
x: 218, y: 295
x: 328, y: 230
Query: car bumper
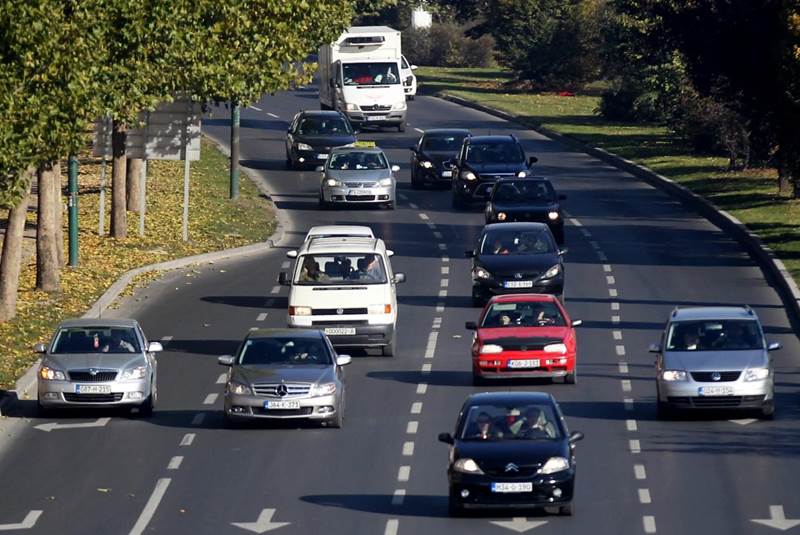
x: 551, y: 367
x: 744, y: 395
x: 309, y: 157
x: 543, y: 493
x: 57, y: 394
x: 487, y: 288
x: 434, y: 175
x: 366, y: 335
x: 474, y: 191
x: 529, y: 218
x: 316, y: 408
x: 345, y: 195
x: 378, y: 118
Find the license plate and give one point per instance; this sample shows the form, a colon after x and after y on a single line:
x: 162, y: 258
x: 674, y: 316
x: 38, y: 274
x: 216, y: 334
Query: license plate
x: 340, y: 330
x: 359, y: 192
x: 92, y: 389
x: 375, y: 117
x: 518, y: 284
x: 322, y: 156
x: 512, y: 487
x: 447, y: 174
x: 526, y: 363
x: 715, y: 391
x: 282, y: 405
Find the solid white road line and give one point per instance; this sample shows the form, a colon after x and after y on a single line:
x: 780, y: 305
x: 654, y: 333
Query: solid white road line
x: 408, y: 449
x: 210, y: 399
x: 644, y: 496
x: 254, y: 108
x: 273, y: 115
x: 631, y: 425
x: 151, y: 506
x: 175, y: 463
x: 223, y: 377
x: 617, y: 335
x: 398, y: 496
x: 412, y: 427
x: 649, y: 524
x: 262, y: 316
x: 620, y: 351
x: 403, y: 473
x: 422, y: 388
x: 639, y: 472
x: 634, y: 446
x: 198, y: 418
x: 187, y: 439
x: 391, y: 526
x: 416, y: 407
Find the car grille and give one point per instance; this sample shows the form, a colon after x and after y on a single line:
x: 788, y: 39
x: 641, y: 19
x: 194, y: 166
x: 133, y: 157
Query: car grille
x: 496, y: 176
x: 302, y: 411
x: 524, y: 344
x: 512, y: 276
x: 360, y: 197
x: 72, y: 397
x: 85, y: 376
x: 340, y: 322
x: 705, y: 377
x: 525, y: 471
x: 360, y: 184
x: 336, y: 311
x: 270, y: 390
x: 376, y: 107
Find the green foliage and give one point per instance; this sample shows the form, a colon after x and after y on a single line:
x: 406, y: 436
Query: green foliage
x: 446, y: 45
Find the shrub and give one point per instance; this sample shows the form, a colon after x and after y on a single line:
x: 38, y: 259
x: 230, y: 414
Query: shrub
x: 446, y: 45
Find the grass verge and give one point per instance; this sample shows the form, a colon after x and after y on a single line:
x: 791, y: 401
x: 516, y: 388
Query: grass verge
x: 215, y: 223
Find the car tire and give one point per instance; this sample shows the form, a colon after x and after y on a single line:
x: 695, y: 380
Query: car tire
x: 477, y: 380
x: 559, y: 236
x: 571, y: 378
x: 323, y: 204
x: 390, y: 349
x: 415, y: 183
x: 410, y: 97
x: 567, y: 510
x: 229, y: 422
x: 664, y: 411
x: 401, y: 127
x: 767, y: 411
x: 389, y: 205
x: 337, y: 421
x: 146, y: 408
x: 454, y: 509
x: 42, y: 411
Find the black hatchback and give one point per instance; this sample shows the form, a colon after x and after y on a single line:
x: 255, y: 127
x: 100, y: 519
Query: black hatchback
x: 435, y: 147
x: 511, y: 450
x: 526, y: 199
x: 312, y: 134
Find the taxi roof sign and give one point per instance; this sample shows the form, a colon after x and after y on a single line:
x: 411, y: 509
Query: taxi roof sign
x: 364, y: 144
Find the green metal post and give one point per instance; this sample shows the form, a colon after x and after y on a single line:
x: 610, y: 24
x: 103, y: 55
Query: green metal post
x: 235, y: 116
x: 73, y: 211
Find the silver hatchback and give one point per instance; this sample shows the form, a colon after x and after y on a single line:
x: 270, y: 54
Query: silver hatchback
x: 356, y: 175
x: 714, y: 358
x: 98, y: 363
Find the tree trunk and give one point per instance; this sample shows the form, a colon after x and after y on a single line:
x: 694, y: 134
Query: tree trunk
x: 132, y: 183
x: 48, y: 277
x: 119, y: 226
x: 58, y: 194
x: 10, y: 262
x: 786, y: 186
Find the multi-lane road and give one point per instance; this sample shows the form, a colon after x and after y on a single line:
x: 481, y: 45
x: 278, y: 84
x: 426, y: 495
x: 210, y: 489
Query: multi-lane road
x: 634, y: 253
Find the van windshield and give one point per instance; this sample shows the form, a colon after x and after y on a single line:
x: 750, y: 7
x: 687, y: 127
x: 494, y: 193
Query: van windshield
x: 382, y: 73
x: 338, y: 269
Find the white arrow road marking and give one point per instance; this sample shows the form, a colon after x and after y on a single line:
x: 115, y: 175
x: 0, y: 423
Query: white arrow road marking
x: 150, y: 507
x: 263, y: 524
x: 777, y: 519
x: 27, y: 523
x: 100, y: 422
x: 744, y: 421
x: 519, y: 524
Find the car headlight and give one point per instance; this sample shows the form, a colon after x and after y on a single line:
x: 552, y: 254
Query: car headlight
x: 552, y: 216
x: 324, y: 389
x: 385, y: 182
x: 501, y: 216
x: 490, y: 349
x: 756, y: 374
x: 552, y: 272
x: 303, y: 146
x: 426, y: 164
x: 399, y: 105
x: 332, y: 183
x: 553, y: 465
x: 139, y: 372
x: 239, y: 389
x: 379, y: 309
x: 555, y: 348
x: 673, y: 375
x: 467, y: 466
x: 351, y: 107
x: 522, y: 174
x: 299, y: 311
x: 49, y: 374
x: 480, y: 273
x: 468, y: 175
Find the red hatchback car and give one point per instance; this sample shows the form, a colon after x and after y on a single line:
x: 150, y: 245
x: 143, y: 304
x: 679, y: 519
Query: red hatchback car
x: 525, y: 336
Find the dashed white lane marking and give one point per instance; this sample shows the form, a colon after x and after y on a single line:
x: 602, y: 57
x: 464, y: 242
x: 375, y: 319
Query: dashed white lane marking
x: 412, y: 427
x: 198, y: 418
x: 426, y: 368
x: 617, y: 335
x: 273, y: 115
x: 628, y: 402
x: 254, y: 108
x: 439, y: 307
x: 151, y: 506
x: 444, y: 283
x: 424, y: 217
x: 639, y: 472
x: 430, y: 348
x: 631, y: 425
x: 634, y: 446
x: 416, y: 407
x: 286, y: 264
x: 612, y: 292
x: 649, y: 523
x: 602, y: 256
x: 420, y: 130
x: 408, y: 449
x: 403, y: 196
x: 175, y: 463
x: 442, y: 246
x: 623, y: 367
x: 615, y: 319
x: 445, y: 259
x: 610, y: 279
x: 165, y: 339
x: 437, y: 235
x: 253, y: 329
x: 269, y: 302
x: 620, y: 351
x: 445, y: 270
x: 644, y: 496
x: 398, y: 496
x: 403, y: 473
x: 422, y: 388
x: 187, y: 439
x: 595, y: 245
x: 614, y: 306
x: 586, y: 232
x: 626, y: 385
x: 262, y: 316
x: 575, y: 222
x: 391, y: 526
x: 413, y: 206
x: 607, y: 268
x: 223, y: 377
x: 442, y: 293
x: 275, y: 290
x: 210, y: 399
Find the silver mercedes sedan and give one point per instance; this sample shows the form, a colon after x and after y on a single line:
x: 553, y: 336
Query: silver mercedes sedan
x: 98, y: 363
x: 357, y: 175
x: 285, y: 374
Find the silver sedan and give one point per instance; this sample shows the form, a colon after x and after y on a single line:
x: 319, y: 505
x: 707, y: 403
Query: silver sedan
x: 356, y: 175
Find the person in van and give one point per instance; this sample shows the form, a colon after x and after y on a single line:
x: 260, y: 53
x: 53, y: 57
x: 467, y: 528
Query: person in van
x: 310, y: 271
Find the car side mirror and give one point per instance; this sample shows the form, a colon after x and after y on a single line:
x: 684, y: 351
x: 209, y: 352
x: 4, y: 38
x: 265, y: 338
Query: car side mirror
x: 469, y: 254
x: 654, y: 348
x: 532, y: 160
x: 226, y: 360
x: 291, y: 254
x: 414, y: 67
x: 447, y: 438
x: 40, y: 348
x: 471, y: 326
x: 155, y: 347
x: 395, y: 168
x: 577, y: 323
x: 575, y: 436
x: 563, y: 251
x: 319, y: 169
x: 343, y: 360
x: 399, y: 277
x: 283, y: 279
x: 562, y: 197
x: 773, y: 346
x: 389, y: 253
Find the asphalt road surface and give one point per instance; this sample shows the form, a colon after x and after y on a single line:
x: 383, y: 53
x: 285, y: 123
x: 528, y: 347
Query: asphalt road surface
x: 634, y: 253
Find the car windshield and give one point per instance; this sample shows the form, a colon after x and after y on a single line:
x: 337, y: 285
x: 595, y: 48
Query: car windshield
x: 340, y: 268
x: 371, y: 73
x: 713, y: 335
x: 284, y: 350
x: 495, y: 153
x: 524, y: 314
x: 320, y: 126
x: 357, y: 160
x: 520, y: 191
x: 508, y: 422
x: 96, y: 340
x: 442, y: 142
x: 509, y: 242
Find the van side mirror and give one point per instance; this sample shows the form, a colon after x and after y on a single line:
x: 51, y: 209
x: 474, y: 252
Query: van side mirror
x: 155, y: 347
x: 471, y: 326
x: 447, y: 438
x: 40, y: 348
x: 414, y: 67
x: 395, y: 168
x: 389, y: 253
x: 773, y: 346
x: 532, y: 160
x: 399, y: 277
x: 343, y: 360
x: 291, y: 254
x: 654, y: 348
x: 283, y: 279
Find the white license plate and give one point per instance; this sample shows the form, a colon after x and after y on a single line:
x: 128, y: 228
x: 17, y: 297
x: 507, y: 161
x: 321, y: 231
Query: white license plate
x: 375, y: 117
x: 359, y: 192
x: 715, y: 391
x: 92, y: 389
x: 281, y: 404
x: 526, y: 363
x: 512, y: 487
x: 322, y: 156
x: 518, y: 284
x: 447, y: 174
x: 340, y: 330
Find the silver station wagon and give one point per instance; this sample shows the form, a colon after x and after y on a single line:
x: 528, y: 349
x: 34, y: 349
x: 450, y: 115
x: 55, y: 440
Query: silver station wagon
x: 714, y: 358
x: 357, y: 175
x: 98, y: 363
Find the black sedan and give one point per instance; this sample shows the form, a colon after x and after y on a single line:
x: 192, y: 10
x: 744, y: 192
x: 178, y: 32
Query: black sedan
x: 435, y: 147
x: 511, y: 450
x: 526, y: 199
x: 312, y: 134
x: 516, y: 258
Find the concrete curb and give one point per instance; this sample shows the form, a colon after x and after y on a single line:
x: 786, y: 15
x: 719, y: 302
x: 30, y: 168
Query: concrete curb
x: 774, y: 270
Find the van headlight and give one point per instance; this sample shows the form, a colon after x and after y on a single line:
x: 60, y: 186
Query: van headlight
x: 673, y: 375
x: 324, y: 389
x: 385, y: 182
x: 756, y: 374
x: 552, y: 272
x: 352, y: 107
x: 399, y: 105
x: 139, y: 372
x: 303, y: 146
x: 468, y: 175
x: 332, y: 183
x: 467, y: 466
x: 553, y: 465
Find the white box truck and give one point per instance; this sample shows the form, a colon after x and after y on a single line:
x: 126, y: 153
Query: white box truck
x: 359, y: 75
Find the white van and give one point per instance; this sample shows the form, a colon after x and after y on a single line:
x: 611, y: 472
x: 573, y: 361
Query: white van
x: 409, y: 78
x: 345, y: 287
